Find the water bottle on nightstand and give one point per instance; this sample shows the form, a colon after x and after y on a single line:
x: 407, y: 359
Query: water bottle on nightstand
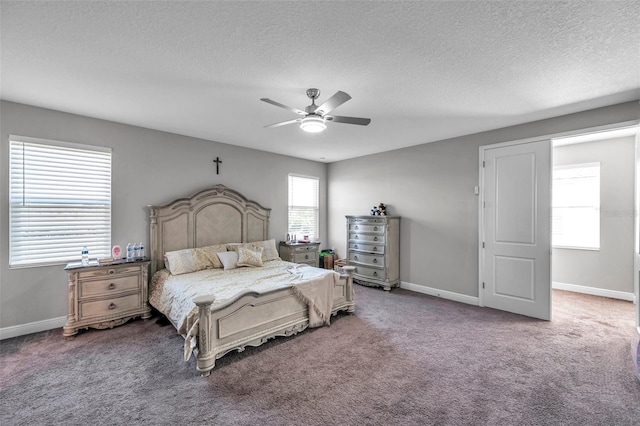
x: 130, y: 252
x: 85, y: 255
x: 140, y: 251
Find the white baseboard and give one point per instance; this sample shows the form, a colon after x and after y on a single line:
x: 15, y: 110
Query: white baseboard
x: 449, y: 295
x: 613, y: 294
x: 32, y: 327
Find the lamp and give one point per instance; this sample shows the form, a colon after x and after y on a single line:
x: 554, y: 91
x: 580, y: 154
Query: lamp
x: 313, y: 124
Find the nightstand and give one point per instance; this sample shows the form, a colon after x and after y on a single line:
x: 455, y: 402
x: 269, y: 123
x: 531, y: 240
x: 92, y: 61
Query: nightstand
x: 105, y: 296
x: 300, y: 252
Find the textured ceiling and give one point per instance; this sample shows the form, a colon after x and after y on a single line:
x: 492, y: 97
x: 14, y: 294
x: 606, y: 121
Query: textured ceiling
x: 422, y: 71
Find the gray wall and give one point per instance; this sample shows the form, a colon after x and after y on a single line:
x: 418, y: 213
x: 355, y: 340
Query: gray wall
x: 611, y: 267
x: 431, y: 187
x: 149, y: 167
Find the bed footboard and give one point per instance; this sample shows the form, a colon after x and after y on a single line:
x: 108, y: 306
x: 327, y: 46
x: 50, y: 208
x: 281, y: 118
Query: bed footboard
x: 254, y: 318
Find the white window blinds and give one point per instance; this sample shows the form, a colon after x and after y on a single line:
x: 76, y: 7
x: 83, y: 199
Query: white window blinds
x: 304, y: 206
x: 576, y: 206
x: 60, y: 201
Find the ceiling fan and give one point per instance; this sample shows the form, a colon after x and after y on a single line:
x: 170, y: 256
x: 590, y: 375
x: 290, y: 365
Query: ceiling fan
x: 314, y: 117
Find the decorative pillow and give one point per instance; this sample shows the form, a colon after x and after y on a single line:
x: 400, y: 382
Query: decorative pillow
x: 236, y: 246
x: 208, y: 256
x: 247, y: 257
x: 229, y: 259
x: 270, y: 251
x: 180, y: 261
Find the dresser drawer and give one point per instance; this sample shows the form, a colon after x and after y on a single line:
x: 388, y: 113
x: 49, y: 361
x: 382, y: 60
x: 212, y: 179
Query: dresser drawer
x: 368, y: 220
x: 378, y: 274
x: 367, y: 238
x: 371, y: 248
x: 369, y: 259
x: 109, y: 285
x: 367, y: 227
x: 113, y: 306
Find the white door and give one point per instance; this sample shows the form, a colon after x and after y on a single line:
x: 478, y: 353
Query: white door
x: 515, y: 268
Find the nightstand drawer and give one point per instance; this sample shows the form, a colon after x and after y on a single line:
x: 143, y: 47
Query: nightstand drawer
x: 305, y: 249
x: 109, y: 271
x: 114, y: 285
x: 305, y: 257
x: 112, y: 306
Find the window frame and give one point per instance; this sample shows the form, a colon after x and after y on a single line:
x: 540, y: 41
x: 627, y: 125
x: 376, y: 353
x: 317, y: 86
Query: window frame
x: 290, y: 231
x: 595, y: 206
x: 60, y: 257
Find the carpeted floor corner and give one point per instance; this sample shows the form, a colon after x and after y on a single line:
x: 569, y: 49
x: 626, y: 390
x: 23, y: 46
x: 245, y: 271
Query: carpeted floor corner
x: 402, y: 359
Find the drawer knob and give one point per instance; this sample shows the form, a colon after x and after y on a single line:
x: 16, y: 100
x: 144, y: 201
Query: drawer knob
x: 375, y: 249
x: 112, y: 306
x: 112, y: 271
x: 356, y: 226
x: 112, y: 286
x: 375, y: 273
x: 375, y: 228
x: 355, y: 247
x: 356, y: 237
x: 355, y: 257
x: 375, y: 260
x: 306, y: 257
x: 375, y: 238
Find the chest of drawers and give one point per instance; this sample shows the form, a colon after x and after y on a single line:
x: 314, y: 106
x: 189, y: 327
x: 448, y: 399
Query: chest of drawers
x: 373, y: 248
x: 300, y: 253
x: 104, y: 296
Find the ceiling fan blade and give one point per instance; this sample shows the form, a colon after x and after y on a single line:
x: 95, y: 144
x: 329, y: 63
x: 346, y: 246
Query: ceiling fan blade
x: 348, y: 120
x: 288, y: 108
x: 283, y: 123
x: 332, y: 103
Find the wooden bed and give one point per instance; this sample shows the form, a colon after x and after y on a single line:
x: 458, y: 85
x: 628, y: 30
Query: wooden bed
x: 222, y: 215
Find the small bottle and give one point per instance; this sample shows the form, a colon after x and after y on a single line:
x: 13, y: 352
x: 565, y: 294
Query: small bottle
x: 130, y: 252
x: 85, y: 255
x: 140, y: 251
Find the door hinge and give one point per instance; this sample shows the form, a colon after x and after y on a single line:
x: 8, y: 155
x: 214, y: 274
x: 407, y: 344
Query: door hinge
x: 483, y: 244
x: 482, y: 285
x: 484, y: 204
x: 483, y: 163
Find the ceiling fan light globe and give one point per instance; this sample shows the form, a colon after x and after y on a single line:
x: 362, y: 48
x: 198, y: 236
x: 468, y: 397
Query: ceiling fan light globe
x: 313, y: 124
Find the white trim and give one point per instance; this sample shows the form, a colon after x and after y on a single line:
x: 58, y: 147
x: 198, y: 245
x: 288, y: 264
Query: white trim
x: 73, y: 145
x: 32, y: 327
x: 613, y: 294
x: 449, y: 295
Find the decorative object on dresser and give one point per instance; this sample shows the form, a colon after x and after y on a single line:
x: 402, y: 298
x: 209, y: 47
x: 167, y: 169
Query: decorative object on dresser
x: 300, y: 252
x: 105, y: 296
x: 373, y: 247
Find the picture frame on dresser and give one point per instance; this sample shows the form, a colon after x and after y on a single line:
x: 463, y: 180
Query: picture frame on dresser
x: 373, y: 248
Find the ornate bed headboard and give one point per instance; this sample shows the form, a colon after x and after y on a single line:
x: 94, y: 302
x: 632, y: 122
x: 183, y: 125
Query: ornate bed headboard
x: 213, y: 216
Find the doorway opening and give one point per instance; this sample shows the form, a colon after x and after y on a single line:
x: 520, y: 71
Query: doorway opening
x: 594, y: 214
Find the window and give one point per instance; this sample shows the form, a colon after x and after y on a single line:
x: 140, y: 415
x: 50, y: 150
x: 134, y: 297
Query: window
x: 60, y: 201
x: 576, y: 206
x: 304, y: 206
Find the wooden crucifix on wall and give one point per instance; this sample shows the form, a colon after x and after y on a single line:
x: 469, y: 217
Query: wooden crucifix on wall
x: 218, y: 161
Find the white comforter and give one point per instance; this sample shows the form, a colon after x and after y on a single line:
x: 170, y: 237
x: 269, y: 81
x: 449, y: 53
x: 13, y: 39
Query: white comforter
x: 173, y: 295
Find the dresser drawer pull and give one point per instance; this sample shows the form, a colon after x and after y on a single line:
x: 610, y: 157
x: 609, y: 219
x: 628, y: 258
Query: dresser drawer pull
x: 355, y: 246
x: 112, y: 306
x: 306, y: 257
x: 112, y: 271
x: 375, y: 249
x: 375, y: 260
x: 375, y: 238
x: 356, y: 227
x: 112, y: 286
x: 375, y: 273
x: 356, y: 237
x: 375, y: 228
x: 355, y: 257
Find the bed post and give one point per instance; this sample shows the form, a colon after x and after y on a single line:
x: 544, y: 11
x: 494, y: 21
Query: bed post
x: 206, y: 359
x: 348, y: 270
